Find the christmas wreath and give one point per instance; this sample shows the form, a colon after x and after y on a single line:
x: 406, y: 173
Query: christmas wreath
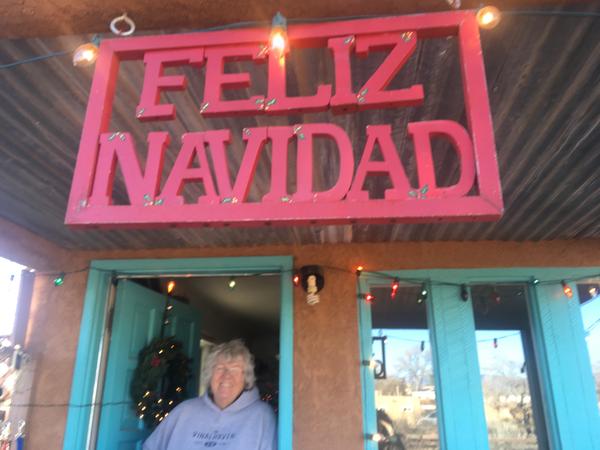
x: 160, y: 379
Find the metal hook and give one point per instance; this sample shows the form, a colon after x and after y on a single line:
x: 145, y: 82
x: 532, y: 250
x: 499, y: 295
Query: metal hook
x: 122, y: 18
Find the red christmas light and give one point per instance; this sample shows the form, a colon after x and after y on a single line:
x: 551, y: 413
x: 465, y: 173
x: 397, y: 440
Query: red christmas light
x: 496, y: 297
x: 369, y: 298
x: 296, y: 280
x: 395, y: 286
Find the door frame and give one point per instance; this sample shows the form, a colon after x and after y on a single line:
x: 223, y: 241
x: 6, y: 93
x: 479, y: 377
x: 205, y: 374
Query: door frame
x: 88, y: 373
x: 564, y: 370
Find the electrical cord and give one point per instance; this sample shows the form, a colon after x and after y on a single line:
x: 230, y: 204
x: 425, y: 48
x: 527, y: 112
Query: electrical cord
x: 247, y: 24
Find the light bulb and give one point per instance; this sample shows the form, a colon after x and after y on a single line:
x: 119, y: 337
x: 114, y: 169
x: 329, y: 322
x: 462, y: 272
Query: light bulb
x: 375, y: 437
x: 488, y: 17
x: 395, y: 286
x: 170, y: 286
x: 59, y: 280
x: 278, y: 38
x: 232, y: 283
x: 85, y: 55
x: 278, y: 43
x: 567, y: 289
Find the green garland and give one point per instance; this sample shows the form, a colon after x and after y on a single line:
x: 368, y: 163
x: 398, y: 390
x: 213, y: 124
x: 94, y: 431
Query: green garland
x: 160, y: 379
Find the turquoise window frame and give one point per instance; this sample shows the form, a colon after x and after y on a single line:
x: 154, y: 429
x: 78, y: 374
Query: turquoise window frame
x: 92, y: 326
x: 568, y: 394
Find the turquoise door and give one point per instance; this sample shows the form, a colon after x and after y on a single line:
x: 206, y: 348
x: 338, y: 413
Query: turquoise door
x: 136, y: 321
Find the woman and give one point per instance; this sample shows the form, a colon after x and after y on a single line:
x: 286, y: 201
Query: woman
x: 229, y: 416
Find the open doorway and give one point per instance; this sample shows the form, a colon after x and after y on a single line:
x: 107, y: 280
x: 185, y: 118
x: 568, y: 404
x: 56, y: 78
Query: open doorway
x: 245, y: 307
x: 193, y: 313
x: 206, y: 310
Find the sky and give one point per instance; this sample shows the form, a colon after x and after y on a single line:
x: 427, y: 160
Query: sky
x: 10, y: 278
x: 400, y: 341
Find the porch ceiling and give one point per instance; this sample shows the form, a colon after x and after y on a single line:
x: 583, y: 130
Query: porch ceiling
x: 543, y: 75
x: 36, y: 18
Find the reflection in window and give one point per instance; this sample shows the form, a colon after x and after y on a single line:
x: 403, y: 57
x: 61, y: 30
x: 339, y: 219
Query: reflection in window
x: 511, y: 390
x: 589, y: 296
x: 404, y: 384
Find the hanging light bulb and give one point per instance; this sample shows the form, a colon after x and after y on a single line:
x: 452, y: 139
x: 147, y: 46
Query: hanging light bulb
x: 535, y: 281
x: 231, y: 283
x: 464, y: 292
x: 423, y: 293
x: 59, y: 280
x: 495, y: 342
x: 488, y: 17
x: 496, y: 296
x: 395, y: 286
x: 375, y: 437
x: 296, y: 279
x: 567, y: 289
x: 170, y: 286
x: 359, y: 270
x: 422, y: 346
x: 278, y: 38
x: 369, y: 297
x: 86, y: 54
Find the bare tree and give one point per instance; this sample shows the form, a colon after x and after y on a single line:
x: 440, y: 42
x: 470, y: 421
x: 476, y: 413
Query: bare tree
x: 415, y: 367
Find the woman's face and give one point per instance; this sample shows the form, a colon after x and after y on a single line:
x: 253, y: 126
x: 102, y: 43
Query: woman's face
x: 227, y: 381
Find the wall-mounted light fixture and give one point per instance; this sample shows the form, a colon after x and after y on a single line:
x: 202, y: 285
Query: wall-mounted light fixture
x: 311, y: 278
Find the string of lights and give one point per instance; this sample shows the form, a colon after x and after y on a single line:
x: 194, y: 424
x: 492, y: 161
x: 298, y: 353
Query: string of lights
x: 85, y: 56
x: 361, y: 273
x: 418, y: 341
x: 70, y: 405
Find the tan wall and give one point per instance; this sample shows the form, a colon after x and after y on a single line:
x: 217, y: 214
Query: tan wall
x: 327, y: 400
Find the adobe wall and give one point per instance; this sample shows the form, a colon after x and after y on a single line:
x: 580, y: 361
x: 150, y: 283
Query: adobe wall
x: 327, y: 398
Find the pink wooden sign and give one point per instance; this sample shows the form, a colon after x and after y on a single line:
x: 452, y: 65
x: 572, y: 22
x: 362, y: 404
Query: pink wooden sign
x: 202, y: 156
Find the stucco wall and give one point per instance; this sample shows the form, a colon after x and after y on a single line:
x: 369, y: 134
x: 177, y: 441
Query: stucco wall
x: 327, y: 400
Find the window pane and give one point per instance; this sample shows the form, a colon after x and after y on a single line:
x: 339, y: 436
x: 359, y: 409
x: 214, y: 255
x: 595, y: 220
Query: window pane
x: 508, y: 375
x: 589, y: 296
x: 404, y: 383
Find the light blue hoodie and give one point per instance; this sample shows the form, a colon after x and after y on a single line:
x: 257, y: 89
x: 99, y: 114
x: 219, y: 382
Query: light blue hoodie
x: 246, y: 424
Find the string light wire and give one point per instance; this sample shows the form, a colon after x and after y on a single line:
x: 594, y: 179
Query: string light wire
x: 248, y: 24
x: 365, y: 274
